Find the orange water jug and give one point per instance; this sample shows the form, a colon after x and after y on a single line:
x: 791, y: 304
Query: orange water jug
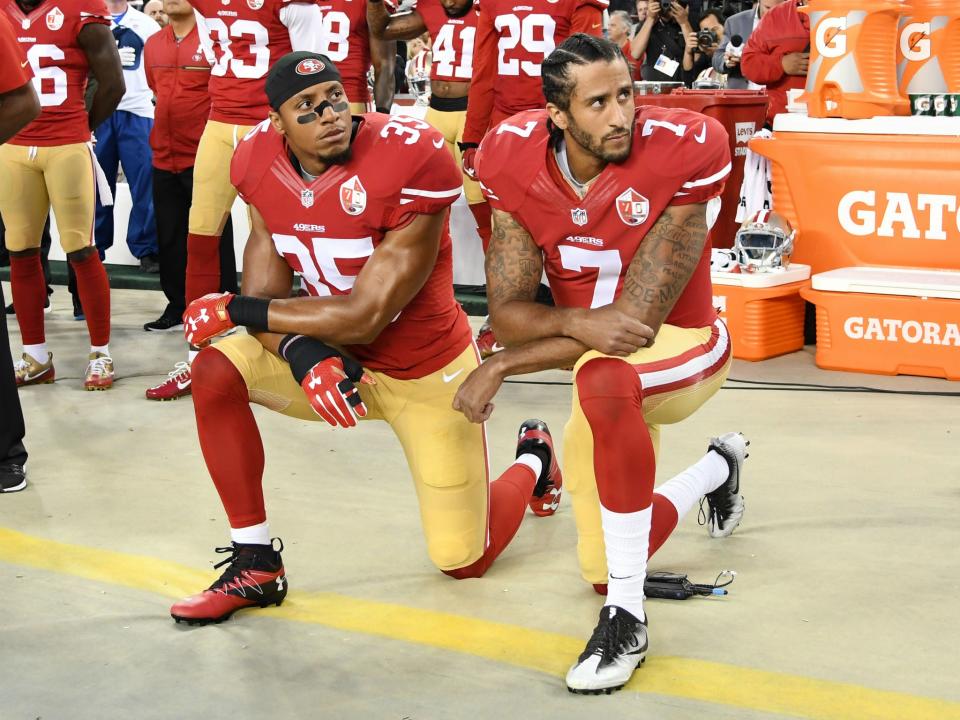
x: 853, y: 58
x: 928, y: 49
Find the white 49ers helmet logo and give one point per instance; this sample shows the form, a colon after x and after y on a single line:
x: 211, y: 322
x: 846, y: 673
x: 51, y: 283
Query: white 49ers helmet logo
x: 310, y: 66
x: 353, y: 197
x: 55, y: 19
x: 633, y: 208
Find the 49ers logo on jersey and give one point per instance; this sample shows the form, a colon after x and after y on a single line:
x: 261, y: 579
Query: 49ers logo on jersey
x: 353, y: 197
x: 633, y: 208
x: 55, y: 19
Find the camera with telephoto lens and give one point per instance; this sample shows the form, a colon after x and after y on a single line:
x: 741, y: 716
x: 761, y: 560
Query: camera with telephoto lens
x: 706, y: 39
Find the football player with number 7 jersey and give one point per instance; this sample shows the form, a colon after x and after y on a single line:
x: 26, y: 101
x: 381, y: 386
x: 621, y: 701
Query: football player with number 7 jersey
x: 358, y: 207
x: 51, y: 163
x: 241, y: 39
x: 611, y: 200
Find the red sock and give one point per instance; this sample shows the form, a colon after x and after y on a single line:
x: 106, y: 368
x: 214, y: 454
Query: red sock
x: 94, y: 289
x: 481, y: 213
x: 229, y: 437
x: 29, y: 289
x: 203, y: 265
x: 612, y: 401
x: 662, y: 523
x: 509, y: 496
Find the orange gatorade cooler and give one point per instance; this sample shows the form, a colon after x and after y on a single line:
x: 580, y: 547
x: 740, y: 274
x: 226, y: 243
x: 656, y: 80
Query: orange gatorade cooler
x: 853, y: 58
x: 889, y: 321
x: 928, y: 50
x: 763, y: 311
x: 883, y: 191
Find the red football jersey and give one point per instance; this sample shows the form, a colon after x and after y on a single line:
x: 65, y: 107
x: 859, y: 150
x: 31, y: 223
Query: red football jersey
x: 327, y: 230
x: 12, y: 59
x: 679, y: 157
x: 512, y: 41
x: 453, y: 40
x: 242, y: 40
x: 346, y: 41
x: 48, y: 37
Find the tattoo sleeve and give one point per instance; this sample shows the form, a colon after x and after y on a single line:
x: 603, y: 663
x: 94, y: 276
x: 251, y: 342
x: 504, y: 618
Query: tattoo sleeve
x: 664, y: 263
x: 514, y: 263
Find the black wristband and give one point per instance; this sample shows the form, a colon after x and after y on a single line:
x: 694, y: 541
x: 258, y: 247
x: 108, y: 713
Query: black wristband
x: 249, y: 311
x: 303, y: 352
x: 464, y: 146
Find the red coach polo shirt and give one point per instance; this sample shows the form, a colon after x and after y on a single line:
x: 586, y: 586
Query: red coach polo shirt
x: 178, y: 74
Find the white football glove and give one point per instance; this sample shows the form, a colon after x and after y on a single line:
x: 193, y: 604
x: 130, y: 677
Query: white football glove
x: 128, y: 56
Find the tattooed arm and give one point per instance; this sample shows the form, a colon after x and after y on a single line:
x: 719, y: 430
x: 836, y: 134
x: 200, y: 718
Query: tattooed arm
x: 664, y: 264
x: 655, y: 279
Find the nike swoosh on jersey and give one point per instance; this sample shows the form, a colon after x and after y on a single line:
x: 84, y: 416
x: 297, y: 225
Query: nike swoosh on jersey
x: 24, y: 63
x: 701, y: 136
x: 450, y: 378
x: 438, y: 143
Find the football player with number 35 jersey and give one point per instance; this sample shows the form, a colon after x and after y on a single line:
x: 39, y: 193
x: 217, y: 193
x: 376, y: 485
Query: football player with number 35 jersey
x: 241, y: 39
x: 51, y: 163
x: 612, y: 201
x: 358, y: 207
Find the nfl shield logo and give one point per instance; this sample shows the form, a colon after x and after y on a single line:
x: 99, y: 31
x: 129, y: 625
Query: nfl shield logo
x: 55, y: 19
x: 353, y: 198
x: 306, y: 198
x: 255, y: 4
x: 579, y: 216
x: 633, y: 208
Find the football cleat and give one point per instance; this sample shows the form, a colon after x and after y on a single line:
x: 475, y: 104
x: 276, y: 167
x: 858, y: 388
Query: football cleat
x: 99, y: 375
x: 177, y: 384
x: 30, y: 372
x: 254, y: 578
x: 617, y: 647
x: 534, y: 437
x: 486, y: 342
x: 725, y: 504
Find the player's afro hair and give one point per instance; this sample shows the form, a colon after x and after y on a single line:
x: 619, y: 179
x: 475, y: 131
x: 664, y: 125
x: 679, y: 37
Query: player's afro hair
x: 578, y: 49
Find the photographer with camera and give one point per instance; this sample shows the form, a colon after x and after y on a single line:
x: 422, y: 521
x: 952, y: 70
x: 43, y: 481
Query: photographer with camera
x: 700, y: 46
x: 662, y: 37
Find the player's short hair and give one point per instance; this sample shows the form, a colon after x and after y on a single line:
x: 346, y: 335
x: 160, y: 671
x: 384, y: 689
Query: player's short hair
x: 578, y: 49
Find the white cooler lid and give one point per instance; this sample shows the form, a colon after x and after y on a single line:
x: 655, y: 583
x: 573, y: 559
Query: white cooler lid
x: 794, y: 272
x: 885, y: 125
x: 915, y: 282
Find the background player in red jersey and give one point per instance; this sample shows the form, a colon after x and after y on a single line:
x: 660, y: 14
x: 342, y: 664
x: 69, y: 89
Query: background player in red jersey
x: 351, y: 44
x: 611, y: 200
x: 50, y: 163
x: 358, y: 207
x: 242, y: 40
x: 512, y: 41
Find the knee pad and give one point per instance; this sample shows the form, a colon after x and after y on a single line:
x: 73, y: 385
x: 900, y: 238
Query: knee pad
x: 450, y: 553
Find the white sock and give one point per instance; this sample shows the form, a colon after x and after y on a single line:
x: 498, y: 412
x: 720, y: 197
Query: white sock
x: 627, y: 537
x: 531, y: 461
x: 105, y: 349
x: 191, y: 354
x: 704, y: 476
x: 252, y: 535
x: 37, y: 352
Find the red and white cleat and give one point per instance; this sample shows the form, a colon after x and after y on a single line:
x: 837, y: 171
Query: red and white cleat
x: 254, y: 578
x: 177, y: 384
x: 535, y: 438
x: 486, y: 342
x: 99, y: 375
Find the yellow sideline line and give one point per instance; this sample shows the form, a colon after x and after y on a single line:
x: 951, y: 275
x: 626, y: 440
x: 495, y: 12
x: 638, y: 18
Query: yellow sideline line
x: 532, y: 649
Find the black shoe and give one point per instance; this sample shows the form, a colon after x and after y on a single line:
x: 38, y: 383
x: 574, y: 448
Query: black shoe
x: 164, y: 323
x: 150, y: 264
x: 254, y: 578
x: 13, y: 477
x: 617, y: 647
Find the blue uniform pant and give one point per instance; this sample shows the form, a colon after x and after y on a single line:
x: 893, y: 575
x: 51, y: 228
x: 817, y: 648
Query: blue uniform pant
x: 123, y: 139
